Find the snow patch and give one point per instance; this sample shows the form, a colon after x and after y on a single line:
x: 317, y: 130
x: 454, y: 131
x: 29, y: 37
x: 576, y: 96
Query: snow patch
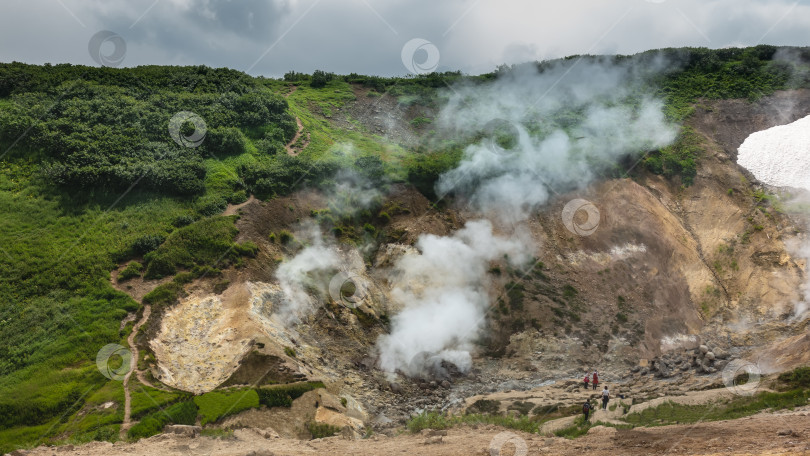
x: 779, y: 156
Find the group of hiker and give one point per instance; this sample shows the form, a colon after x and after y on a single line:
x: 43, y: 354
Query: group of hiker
x: 593, y: 379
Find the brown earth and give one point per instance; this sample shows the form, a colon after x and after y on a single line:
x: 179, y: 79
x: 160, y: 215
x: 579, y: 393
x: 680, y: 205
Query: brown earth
x: 755, y: 435
x: 729, y: 122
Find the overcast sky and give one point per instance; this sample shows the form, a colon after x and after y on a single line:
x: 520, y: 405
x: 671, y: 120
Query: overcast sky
x: 270, y: 37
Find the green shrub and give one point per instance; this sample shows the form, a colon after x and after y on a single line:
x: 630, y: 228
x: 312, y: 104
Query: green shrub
x: 180, y: 413
x: 225, y: 141
x: 221, y: 286
x: 164, y: 295
x: 281, y: 174
x: 213, y: 207
x: 320, y: 78
x: 183, y: 278
x: 132, y: 270
x: 285, y: 237
x: 797, y: 378
x: 204, y: 242
x: 159, y: 267
x: 182, y: 220
x: 205, y: 270
x: 321, y: 430
x: 428, y: 420
x: 146, y: 244
x: 238, y: 197
x: 289, y: 351
x: 678, y: 159
x: 216, y: 405
x: 569, y: 291
x: 738, y: 407
x: 284, y: 395
x: 247, y: 248
x: 577, y: 429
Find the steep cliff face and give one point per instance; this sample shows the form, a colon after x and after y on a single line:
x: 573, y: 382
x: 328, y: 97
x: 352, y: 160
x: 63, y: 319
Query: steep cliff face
x: 670, y: 266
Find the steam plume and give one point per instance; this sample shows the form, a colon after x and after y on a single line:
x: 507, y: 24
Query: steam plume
x: 299, y: 275
x: 445, y: 291
x: 570, y: 120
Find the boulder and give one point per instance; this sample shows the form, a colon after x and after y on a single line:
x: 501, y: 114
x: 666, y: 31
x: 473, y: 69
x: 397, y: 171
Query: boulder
x: 183, y: 429
x: 337, y: 419
x: 262, y: 452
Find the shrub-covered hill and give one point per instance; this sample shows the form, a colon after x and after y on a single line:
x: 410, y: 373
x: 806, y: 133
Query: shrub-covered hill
x: 90, y: 177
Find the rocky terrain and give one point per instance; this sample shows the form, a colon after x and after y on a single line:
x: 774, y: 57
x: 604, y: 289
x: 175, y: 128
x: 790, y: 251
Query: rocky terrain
x: 766, y: 434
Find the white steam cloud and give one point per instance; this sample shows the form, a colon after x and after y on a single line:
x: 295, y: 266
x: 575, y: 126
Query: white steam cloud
x: 583, y: 124
x: 298, y: 278
x: 307, y: 272
x: 570, y: 121
x: 445, y: 289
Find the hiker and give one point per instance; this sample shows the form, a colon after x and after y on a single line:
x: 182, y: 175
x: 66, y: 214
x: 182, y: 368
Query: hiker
x: 605, y: 397
x: 595, y: 379
x: 586, y: 380
x: 586, y: 409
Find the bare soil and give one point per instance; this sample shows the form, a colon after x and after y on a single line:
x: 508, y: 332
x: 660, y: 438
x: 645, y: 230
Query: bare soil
x: 755, y: 435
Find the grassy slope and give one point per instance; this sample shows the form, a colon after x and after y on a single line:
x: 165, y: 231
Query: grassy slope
x: 58, y: 251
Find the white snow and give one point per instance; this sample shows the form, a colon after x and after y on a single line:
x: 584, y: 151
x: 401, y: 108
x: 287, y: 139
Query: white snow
x: 779, y: 156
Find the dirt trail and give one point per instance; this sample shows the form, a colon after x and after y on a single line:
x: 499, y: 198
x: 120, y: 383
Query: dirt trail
x: 233, y: 209
x: 291, y: 149
x: 133, y: 366
x: 289, y: 146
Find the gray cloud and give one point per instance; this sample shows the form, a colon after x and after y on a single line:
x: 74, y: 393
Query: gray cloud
x: 367, y: 36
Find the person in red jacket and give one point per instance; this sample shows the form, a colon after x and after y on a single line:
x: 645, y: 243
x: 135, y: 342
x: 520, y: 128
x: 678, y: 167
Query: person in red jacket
x: 586, y: 380
x: 595, y: 379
